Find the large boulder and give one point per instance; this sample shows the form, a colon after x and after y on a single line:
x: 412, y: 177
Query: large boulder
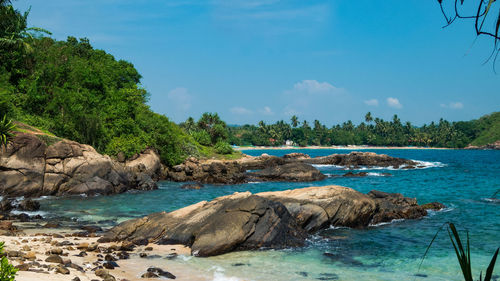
x: 365, y: 159
x: 240, y: 221
x: 28, y: 167
x: 288, y: 172
x: 243, y: 221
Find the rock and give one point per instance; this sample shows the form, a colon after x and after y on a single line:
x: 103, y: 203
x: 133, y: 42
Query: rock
x: 28, y: 167
x: 54, y: 259
x: 143, y: 255
x: 364, y: 159
x: 101, y: 272
x: 29, y: 205
x: 62, y: 270
x: 83, y: 246
x: 161, y: 272
x: 236, y: 222
x: 288, y: 172
x: 110, y: 265
x: 75, y: 279
x: 296, y: 155
x: 23, y: 267
x: 149, y: 275
x: 192, y: 186
x: 243, y: 221
x: 148, y: 249
x: 30, y: 256
x: 6, y: 205
x: 436, y: 206
x: 52, y: 225
x: 6, y: 225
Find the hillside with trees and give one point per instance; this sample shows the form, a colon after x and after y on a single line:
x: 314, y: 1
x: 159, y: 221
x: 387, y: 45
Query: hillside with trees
x: 84, y: 94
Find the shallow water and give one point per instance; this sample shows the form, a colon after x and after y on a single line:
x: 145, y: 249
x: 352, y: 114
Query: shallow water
x: 462, y: 180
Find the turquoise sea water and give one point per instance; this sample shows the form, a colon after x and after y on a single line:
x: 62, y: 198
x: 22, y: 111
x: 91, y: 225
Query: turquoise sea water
x: 462, y: 180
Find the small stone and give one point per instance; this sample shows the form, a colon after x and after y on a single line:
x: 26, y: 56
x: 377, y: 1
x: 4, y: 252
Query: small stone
x: 161, y: 272
x: 76, y: 279
x: 101, y: 272
x: 62, y: 270
x: 149, y: 275
x: 23, y: 267
x: 83, y: 246
x: 26, y: 248
x: 143, y: 255
x: 52, y: 225
x: 109, y: 257
x: 54, y: 259
x: 148, y: 249
x: 30, y: 256
x: 56, y: 251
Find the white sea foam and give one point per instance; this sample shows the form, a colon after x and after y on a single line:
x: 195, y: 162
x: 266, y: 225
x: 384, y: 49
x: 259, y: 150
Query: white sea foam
x: 491, y: 200
x: 386, y: 223
x: 420, y: 165
x: 431, y: 213
x: 428, y: 164
x: 320, y: 166
x: 373, y: 174
x: 219, y: 276
x: 29, y: 213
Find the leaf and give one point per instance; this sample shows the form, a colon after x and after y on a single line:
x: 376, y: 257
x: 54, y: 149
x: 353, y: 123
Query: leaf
x: 489, y: 270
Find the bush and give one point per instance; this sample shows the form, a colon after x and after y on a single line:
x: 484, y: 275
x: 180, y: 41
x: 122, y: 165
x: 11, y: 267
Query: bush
x: 223, y: 148
x: 202, y: 137
x: 127, y: 144
x: 7, y: 270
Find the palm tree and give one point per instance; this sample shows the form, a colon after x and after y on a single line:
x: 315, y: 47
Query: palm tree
x: 6, y: 131
x: 368, y: 117
x: 295, y: 121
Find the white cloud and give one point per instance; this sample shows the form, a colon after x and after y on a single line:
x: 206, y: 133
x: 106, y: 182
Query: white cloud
x: 453, y: 105
x: 240, y: 110
x: 181, y: 97
x: 371, y: 102
x: 266, y: 111
x: 314, y: 87
x: 394, y: 102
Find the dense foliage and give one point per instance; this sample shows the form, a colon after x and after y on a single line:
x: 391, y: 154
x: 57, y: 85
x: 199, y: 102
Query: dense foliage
x: 7, y: 270
x: 210, y: 131
x: 374, y: 131
x: 81, y: 93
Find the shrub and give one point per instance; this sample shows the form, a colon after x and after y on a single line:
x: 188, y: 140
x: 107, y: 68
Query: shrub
x: 6, y: 131
x: 223, y: 148
x: 202, y: 137
x: 7, y: 270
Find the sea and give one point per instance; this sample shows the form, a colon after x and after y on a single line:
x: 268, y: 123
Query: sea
x: 464, y: 180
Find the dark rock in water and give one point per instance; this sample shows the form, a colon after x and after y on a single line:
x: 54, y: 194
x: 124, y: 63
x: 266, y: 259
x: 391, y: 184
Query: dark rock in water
x: 421, y: 275
x: 328, y: 276
x: 393, y: 206
x: 6, y: 205
x: 110, y: 265
x: 288, y: 172
x: 296, y: 155
x: 192, y: 186
x: 361, y: 159
x: 302, y: 273
x: 353, y: 175
x: 29, y: 205
x: 347, y: 260
x: 123, y: 255
x: 161, y: 272
x: 433, y: 206
x: 171, y: 256
x: 238, y: 264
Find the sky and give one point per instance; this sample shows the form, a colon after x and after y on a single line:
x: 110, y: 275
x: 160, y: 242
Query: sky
x: 252, y: 60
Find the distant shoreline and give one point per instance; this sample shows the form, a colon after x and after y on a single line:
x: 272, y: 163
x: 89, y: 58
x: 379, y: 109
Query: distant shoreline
x: 353, y: 147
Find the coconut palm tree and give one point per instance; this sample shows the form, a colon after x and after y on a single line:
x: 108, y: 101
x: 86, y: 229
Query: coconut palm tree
x: 295, y: 121
x: 368, y: 117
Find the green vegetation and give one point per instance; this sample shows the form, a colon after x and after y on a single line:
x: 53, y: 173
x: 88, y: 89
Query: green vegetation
x: 463, y: 254
x: 210, y: 131
x: 7, y: 270
x: 6, y: 131
x: 374, y: 131
x: 86, y: 95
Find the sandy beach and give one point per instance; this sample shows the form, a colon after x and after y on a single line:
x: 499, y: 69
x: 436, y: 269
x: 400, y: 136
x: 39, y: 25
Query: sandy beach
x: 76, y: 258
x: 349, y: 147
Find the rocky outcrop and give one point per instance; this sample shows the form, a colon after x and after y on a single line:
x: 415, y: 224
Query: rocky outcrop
x: 28, y: 167
x: 236, y: 222
x: 243, y: 221
x: 292, y: 172
x: 290, y: 167
x: 362, y: 159
x: 493, y: 146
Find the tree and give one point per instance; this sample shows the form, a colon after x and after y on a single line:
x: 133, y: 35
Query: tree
x: 295, y: 121
x: 368, y: 117
x: 214, y: 126
x: 486, y: 24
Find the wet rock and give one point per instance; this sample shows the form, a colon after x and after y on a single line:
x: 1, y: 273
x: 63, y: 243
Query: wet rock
x: 91, y: 228
x: 149, y: 275
x: 52, y: 225
x: 110, y: 265
x: 288, y: 172
x: 23, y: 267
x: 123, y: 255
x: 148, y: 249
x: 76, y: 279
x: 436, y: 206
x: 161, y: 272
x: 62, y: 270
x: 143, y: 255
x: 6, y: 225
x: 29, y: 205
x: 192, y: 186
x: 101, y: 272
x: 6, y: 205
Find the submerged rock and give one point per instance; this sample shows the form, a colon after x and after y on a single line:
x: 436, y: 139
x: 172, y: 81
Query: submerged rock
x: 244, y: 221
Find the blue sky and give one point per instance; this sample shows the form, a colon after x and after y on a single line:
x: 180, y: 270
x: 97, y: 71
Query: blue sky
x: 252, y: 60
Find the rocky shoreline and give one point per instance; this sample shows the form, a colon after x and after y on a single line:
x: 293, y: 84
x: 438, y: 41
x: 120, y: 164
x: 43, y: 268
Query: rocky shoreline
x: 271, y: 220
